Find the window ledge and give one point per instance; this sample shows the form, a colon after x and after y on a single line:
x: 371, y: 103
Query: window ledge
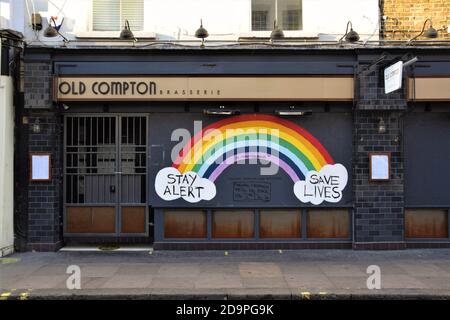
x: 300, y: 34
x: 113, y: 35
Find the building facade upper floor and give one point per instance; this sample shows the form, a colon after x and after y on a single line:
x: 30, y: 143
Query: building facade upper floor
x: 100, y: 21
x: 172, y: 20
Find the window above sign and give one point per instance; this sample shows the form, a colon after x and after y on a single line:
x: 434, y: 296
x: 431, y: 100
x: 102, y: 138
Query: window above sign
x: 110, y: 15
x: 287, y: 13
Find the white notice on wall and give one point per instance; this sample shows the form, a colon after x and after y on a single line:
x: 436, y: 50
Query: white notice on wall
x: 393, y: 77
x: 380, y: 167
x: 40, y: 167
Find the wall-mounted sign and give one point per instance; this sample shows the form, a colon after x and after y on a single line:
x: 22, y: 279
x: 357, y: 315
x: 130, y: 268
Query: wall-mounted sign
x: 380, y: 166
x: 393, y: 77
x: 242, y: 139
x: 156, y: 88
x: 40, y: 167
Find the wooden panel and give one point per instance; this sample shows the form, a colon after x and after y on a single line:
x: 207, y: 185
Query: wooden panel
x: 91, y: 219
x: 103, y: 220
x: 328, y: 223
x: 280, y: 224
x: 78, y: 219
x: 133, y: 220
x: 184, y: 224
x: 233, y: 224
x: 429, y: 88
x: 426, y: 223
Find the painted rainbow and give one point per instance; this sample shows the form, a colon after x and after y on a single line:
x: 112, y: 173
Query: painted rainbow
x: 255, y: 136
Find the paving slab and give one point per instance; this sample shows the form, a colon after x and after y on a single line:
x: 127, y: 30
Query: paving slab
x: 309, y: 281
x: 259, y: 269
x: 218, y: 281
x: 179, y: 270
x: 128, y: 281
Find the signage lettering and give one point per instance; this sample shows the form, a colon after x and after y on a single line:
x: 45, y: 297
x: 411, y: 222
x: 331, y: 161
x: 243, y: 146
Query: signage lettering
x: 148, y: 88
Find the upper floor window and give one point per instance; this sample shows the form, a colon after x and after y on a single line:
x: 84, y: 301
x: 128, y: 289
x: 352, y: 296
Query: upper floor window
x: 110, y: 15
x: 287, y: 13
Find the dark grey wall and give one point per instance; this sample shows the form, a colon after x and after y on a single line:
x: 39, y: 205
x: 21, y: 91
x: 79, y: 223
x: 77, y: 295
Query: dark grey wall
x: 378, y: 207
x: 45, y: 198
x: 333, y: 130
x: 427, y: 159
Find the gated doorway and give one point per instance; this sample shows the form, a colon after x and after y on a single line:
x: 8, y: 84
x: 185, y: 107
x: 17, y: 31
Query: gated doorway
x: 105, y: 175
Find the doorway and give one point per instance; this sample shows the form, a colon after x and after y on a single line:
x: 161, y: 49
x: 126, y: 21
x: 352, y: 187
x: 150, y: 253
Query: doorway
x: 105, y: 175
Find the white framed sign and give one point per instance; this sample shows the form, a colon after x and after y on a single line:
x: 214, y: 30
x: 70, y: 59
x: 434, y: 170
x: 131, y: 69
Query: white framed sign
x: 380, y: 166
x: 393, y: 77
x: 40, y: 167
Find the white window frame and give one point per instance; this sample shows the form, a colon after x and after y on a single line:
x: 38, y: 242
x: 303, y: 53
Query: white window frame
x: 287, y: 33
x: 91, y: 33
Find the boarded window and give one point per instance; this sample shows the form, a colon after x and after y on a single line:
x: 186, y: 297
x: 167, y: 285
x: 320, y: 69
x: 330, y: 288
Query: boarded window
x: 328, y: 223
x: 110, y: 15
x: 427, y: 157
x: 426, y: 223
x: 133, y: 220
x: 233, y: 224
x: 280, y: 223
x: 91, y: 219
x: 185, y: 224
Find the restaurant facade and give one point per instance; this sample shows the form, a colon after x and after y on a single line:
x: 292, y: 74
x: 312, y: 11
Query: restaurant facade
x: 233, y: 148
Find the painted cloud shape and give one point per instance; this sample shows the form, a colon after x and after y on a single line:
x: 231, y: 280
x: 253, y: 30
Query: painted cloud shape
x: 325, y: 185
x: 170, y: 185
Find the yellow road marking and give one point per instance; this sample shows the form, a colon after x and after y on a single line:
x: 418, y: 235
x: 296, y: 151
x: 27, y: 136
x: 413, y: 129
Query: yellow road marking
x: 5, y: 295
x: 305, y: 295
x: 24, y: 296
x: 9, y: 260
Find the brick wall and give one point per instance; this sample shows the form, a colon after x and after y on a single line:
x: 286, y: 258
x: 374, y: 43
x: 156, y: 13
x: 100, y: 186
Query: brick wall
x: 378, y: 206
x: 44, y: 198
x: 44, y: 207
x: 405, y: 18
x: 37, y: 83
x: 370, y: 90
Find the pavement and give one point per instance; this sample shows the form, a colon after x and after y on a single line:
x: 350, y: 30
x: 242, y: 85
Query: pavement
x: 273, y: 274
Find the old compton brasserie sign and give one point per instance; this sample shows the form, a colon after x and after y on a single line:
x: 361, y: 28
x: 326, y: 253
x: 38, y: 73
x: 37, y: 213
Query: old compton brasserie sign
x: 146, y: 88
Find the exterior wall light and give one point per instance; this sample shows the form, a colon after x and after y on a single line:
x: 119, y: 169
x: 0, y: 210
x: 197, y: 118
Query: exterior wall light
x: 53, y: 31
x: 430, y: 33
x: 291, y: 112
x: 277, y: 33
x: 36, y: 126
x: 350, y: 36
x: 381, y: 126
x: 201, y: 33
x: 126, y: 33
x: 221, y: 111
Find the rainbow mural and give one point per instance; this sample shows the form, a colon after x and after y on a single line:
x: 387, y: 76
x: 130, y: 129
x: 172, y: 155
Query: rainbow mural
x: 255, y: 136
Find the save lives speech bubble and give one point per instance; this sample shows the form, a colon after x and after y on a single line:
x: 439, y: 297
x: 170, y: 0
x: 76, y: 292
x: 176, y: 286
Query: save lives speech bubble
x: 325, y: 185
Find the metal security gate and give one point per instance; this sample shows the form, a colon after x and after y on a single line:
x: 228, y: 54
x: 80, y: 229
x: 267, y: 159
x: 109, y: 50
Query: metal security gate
x: 105, y: 175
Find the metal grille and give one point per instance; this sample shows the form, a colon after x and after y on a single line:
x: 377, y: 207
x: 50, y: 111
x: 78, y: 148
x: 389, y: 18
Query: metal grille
x: 91, y: 159
x: 259, y: 21
x: 93, y: 146
x: 105, y: 167
x: 291, y: 20
x: 133, y: 155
